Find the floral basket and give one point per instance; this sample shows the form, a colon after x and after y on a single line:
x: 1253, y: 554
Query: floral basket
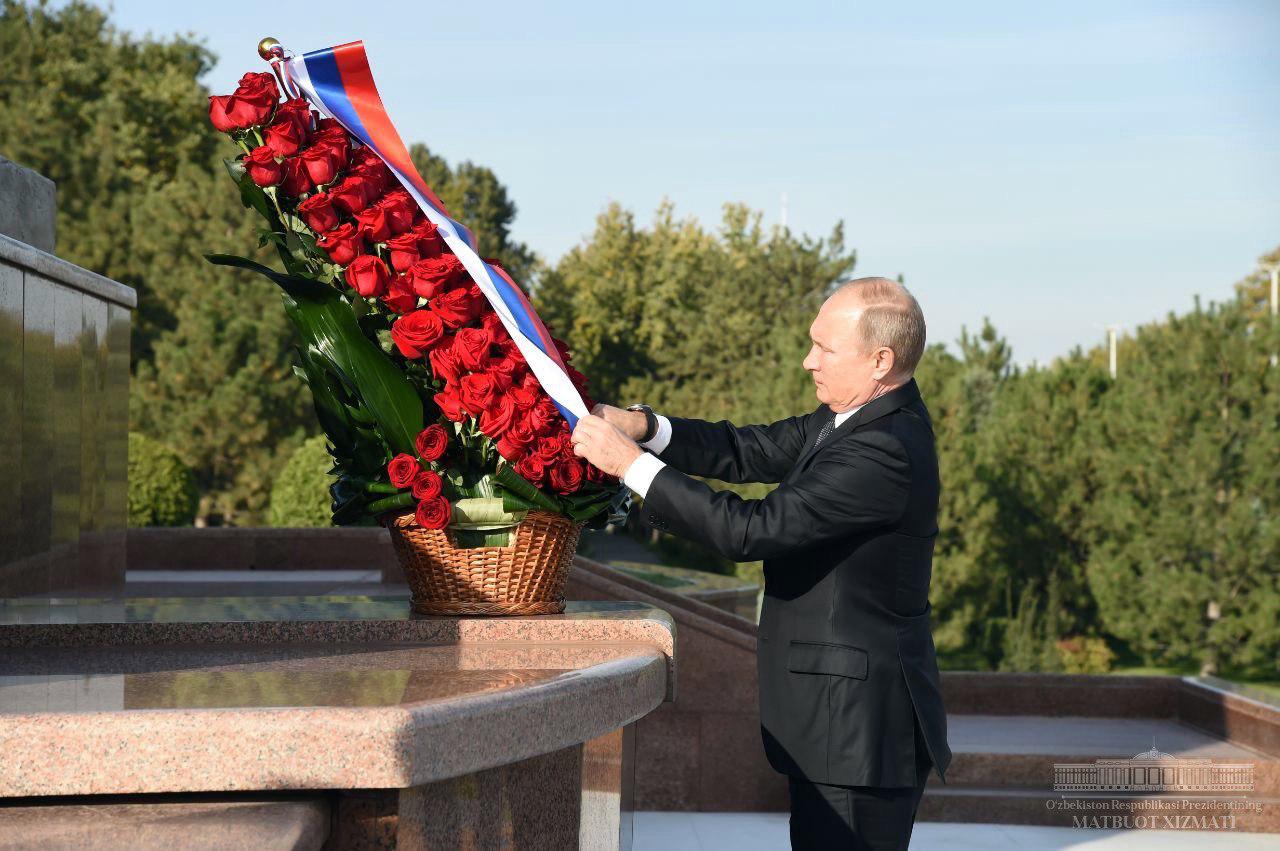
x: 439, y: 425
x: 490, y: 563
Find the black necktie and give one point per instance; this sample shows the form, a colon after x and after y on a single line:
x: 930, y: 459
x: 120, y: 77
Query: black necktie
x: 826, y: 430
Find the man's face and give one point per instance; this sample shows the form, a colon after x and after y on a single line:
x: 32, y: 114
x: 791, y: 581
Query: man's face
x: 844, y: 374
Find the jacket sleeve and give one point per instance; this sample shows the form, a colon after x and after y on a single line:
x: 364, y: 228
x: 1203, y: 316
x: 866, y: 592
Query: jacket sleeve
x: 859, y: 484
x: 721, y: 450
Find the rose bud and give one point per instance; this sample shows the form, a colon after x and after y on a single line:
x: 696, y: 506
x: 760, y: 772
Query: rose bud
x: 317, y: 211
x: 515, y: 441
x: 498, y: 417
x: 363, y: 156
x: 455, y: 308
x: 532, y: 468
x: 375, y: 171
x: 404, y: 251
x: 368, y: 276
x: 444, y: 363
x: 226, y: 113
x: 258, y: 84
x: 400, y: 210
x: 477, y: 392
x: 262, y: 167
x: 329, y: 124
x: 433, y: 513
x: 321, y: 163
x: 414, y: 332
x: 372, y: 223
x: 402, y: 470
x: 296, y: 181
x: 566, y: 477
x: 400, y: 297
x: 349, y: 194
x: 449, y: 403
x: 523, y: 397
x: 284, y: 138
x: 431, y: 442
x: 435, y: 275
x: 342, y: 244
x: 430, y: 243
x: 471, y: 348
x: 296, y: 112
x: 428, y: 485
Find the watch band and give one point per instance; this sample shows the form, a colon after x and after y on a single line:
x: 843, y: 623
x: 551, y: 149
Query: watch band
x: 650, y: 420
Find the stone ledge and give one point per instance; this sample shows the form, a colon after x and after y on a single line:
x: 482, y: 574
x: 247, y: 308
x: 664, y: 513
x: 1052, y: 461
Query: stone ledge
x: 66, y: 273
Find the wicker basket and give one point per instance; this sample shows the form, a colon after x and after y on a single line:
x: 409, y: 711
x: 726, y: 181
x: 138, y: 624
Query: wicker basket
x: 527, y: 577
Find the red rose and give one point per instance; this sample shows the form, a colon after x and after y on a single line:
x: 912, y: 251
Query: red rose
x: 471, y: 347
x: 555, y: 447
x: 477, y: 392
x: 368, y: 276
x: 595, y: 474
x: 284, y: 138
x: 433, y: 513
x: 434, y: 275
x: 563, y: 349
x: 566, y: 476
x: 400, y: 209
x: 542, y: 416
x: 349, y: 194
x: 515, y: 441
x: 329, y: 124
x: 444, y: 363
x: 296, y: 181
x: 523, y: 397
x: 503, y: 372
x: 402, y: 470
x: 375, y: 172
x: 430, y: 243
x: 431, y: 442
x: 297, y: 112
x: 258, y: 84
x: 342, y: 244
x: 404, y: 251
x: 456, y: 307
x: 317, y: 211
x: 498, y: 417
x: 372, y: 223
x: 262, y: 167
x: 511, y: 350
x: 414, y: 332
x: 531, y: 467
x: 450, y: 404
x: 400, y: 297
x: 428, y: 485
x: 321, y: 163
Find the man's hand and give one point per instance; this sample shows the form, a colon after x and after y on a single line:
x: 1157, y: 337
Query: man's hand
x: 631, y: 423
x: 605, y: 446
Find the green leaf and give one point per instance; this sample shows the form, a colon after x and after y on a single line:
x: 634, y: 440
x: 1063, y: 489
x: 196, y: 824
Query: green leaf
x: 324, y: 321
x: 523, y: 488
x: 484, y: 513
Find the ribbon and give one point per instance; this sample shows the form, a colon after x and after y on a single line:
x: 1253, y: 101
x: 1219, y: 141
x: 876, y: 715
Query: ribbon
x: 339, y: 84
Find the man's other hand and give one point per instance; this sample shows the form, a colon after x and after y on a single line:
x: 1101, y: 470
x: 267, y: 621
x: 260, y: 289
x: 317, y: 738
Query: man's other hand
x: 630, y: 423
x: 605, y: 446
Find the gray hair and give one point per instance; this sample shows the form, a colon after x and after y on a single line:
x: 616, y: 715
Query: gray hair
x: 892, y: 318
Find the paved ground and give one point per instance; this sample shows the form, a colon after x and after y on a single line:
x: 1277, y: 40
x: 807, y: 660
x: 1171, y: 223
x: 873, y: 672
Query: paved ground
x: 1091, y: 737
x: 768, y: 832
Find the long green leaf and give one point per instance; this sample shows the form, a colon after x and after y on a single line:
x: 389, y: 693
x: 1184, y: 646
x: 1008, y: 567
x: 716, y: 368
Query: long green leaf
x: 326, y: 324
x: 523, y: 488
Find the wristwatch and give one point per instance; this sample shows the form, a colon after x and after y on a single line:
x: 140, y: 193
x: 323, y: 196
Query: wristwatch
x: 650, y: 419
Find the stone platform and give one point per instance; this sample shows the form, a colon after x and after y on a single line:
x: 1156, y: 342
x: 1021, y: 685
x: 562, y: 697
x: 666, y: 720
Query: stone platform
x: 404, y: 728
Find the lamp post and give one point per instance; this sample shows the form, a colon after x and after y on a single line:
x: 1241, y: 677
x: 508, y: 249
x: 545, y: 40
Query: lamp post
x: 1112, y: 330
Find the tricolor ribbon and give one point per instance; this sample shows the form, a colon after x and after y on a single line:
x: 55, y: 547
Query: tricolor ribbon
x: 339, y: 84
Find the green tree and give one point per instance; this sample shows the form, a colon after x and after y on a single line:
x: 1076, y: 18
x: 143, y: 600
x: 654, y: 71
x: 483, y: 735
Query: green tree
x: 300, y: 494
x: 162, y: 491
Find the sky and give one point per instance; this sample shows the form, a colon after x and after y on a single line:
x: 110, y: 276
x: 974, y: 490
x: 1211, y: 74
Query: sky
x: 1056, y: 167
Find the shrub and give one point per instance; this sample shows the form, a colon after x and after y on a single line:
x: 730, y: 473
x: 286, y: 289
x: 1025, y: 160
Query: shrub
x: 300, y: 494
x: 1082, y: 655
x: 162, y: 489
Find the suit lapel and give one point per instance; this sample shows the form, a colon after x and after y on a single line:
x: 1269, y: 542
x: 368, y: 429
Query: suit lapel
x: 870, y: 412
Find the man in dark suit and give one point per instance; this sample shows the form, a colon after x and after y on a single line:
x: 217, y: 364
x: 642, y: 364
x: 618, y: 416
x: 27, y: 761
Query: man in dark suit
x: 850, y: 705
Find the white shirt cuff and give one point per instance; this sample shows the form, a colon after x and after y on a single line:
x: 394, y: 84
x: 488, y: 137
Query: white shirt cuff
x: 662, y: 438
x: 641, y: 473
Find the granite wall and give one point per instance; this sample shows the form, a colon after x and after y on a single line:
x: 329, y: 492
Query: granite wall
x: 64, y: 408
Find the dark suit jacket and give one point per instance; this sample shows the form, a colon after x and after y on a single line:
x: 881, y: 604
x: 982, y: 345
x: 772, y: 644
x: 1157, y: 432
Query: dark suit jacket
x: 846, y: 659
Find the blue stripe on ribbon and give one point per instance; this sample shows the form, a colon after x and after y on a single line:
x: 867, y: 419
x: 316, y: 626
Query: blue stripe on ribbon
x: 326, y: 80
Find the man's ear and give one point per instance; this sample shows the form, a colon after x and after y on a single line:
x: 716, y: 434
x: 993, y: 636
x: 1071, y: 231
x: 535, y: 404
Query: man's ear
x: 885, y: 361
